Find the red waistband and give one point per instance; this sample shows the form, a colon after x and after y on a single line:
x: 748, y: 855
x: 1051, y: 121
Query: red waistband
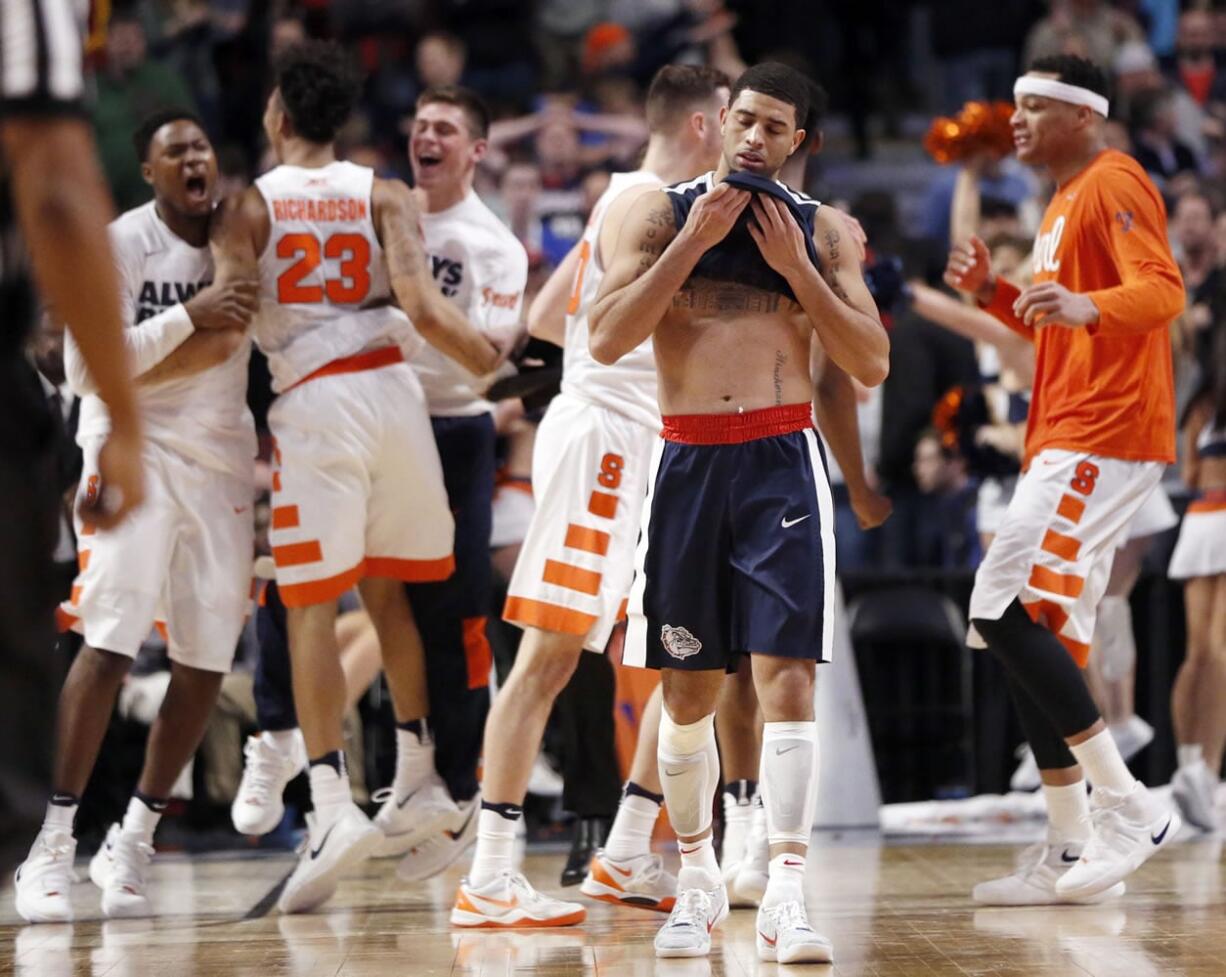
x: 737, y: 428
x: 372, y: 359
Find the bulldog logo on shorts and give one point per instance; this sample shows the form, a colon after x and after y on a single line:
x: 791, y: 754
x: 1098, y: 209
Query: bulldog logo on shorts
x: 678, y: 642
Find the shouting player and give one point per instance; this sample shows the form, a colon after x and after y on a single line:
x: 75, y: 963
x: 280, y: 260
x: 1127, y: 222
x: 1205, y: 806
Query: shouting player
x: 737, y: 550
x: 184, y: 558
x: 358, y: 494
x: 1100, y: 431
x: 573, y: 574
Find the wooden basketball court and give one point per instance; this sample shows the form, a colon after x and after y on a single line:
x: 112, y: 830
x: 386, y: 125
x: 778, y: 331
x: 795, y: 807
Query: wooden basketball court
x: 891, y: 910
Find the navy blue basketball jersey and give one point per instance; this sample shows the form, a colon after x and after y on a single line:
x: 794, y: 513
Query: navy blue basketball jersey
x: 736, y: 258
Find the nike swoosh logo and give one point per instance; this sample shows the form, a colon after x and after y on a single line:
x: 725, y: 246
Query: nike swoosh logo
x: 786, y: 862
x: 788, y: 749
x: 766, y: 939
x: 239, y: 509
x: 500, y: 903
x: 1066, y: 857
x: 315, y: 851
x: 1157, y: 839
x: 673, y: 773
x: 625, y: 872
x: 455, y: 835
x: 789, y: 523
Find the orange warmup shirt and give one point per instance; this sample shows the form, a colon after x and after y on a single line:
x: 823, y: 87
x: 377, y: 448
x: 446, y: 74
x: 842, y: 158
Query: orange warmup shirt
x: 1106, y: 389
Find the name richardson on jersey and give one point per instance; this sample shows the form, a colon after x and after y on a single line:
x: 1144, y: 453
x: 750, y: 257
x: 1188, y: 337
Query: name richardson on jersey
x: 156, y: 297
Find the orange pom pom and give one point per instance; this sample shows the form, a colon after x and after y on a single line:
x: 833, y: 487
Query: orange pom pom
x: 942, y: 140
x: 981, y: 127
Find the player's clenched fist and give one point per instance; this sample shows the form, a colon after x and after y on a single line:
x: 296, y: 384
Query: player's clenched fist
x: 969, y: 269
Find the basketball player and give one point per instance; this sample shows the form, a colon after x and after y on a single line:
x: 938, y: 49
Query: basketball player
x: 53, y: 202
x: 1101, y: 429
x: 737, y: 550
x: 184, y: 558
x: 482, y: 268
x: 358, y: 490
x: 573, y: 573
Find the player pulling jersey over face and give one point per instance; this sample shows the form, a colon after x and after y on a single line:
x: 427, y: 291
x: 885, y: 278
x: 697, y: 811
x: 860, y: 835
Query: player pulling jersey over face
x: 358, y: 492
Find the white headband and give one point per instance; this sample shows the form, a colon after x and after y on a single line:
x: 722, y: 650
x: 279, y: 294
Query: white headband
x: 1061, y: 92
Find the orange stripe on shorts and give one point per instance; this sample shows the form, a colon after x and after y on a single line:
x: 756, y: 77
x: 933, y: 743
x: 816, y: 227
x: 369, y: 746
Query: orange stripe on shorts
x: 602, y: 504
x: 549, y: 617
x: 1064, y: 584
x: 296, y: 554
x: 285, y: 517
x: 572, y: 577
x: 1058, y: 544
x: 589, y: 540
x: 83, y: 559
x: 1071, y: 508
x: 276, y: 481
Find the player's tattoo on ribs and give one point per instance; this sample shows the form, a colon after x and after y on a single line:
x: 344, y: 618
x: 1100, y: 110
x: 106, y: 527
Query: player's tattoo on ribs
x: 719, y: 297
x: 780, y: 359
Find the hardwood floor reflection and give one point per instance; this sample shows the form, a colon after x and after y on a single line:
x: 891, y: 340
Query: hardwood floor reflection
x: 893, y: 911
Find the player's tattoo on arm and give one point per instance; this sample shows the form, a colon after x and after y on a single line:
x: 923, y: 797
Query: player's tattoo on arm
x: 830, y: 272
x: 403, y: 247
x: 653, y: 240
x: 781, y: 359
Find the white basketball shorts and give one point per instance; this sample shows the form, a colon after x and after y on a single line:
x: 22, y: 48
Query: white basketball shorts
x: 589, y: 477
x: 181, y: 560
x: 357, y: 484
x: 1054, y: 549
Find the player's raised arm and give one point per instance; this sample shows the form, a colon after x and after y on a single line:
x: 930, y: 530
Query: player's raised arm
x: 650, y: 263
x: 440, y: 323
x: 237, y: 235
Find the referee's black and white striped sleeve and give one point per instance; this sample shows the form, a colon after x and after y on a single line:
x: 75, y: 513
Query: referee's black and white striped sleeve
x: 41, y: 51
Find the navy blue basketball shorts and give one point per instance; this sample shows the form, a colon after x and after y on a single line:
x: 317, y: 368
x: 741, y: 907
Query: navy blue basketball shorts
x: 736, y: 553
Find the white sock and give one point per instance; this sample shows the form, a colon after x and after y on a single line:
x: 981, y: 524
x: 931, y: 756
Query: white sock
x: 689, y: 771
x: 786, y: 882
x: 1190, y: 754
x: 330, y: 792
x: 140, y: 819
x: 737, y: 819
x: 414, y: 760
x: 1104, y: 767
x: 60, y: 817
x: 1068, y: 812
x: 789, y: 780
x: 1116, y: 646
x: 700, y: 854
x: 495, y: 851
x: 630, y: 835
x: 285, y: 740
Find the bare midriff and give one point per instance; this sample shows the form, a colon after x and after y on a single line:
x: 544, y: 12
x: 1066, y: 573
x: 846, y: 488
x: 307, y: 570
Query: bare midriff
x: 724, y: 347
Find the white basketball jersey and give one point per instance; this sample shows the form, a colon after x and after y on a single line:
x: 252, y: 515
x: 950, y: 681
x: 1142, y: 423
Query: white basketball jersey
x: 481, y: 267
x: 629, y: 386
x: 325, y: 292
x: 203, y: 416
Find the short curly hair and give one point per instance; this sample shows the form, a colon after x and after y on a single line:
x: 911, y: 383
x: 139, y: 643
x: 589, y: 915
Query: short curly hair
x: 319, y: 84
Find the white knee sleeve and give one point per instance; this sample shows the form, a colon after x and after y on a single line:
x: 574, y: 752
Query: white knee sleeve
x: 789, y: 780
x: 1116, y: 643
x: 689, y: 772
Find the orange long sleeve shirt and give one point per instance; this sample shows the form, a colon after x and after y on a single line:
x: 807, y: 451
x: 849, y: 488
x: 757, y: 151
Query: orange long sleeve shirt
x: 1108, y: 388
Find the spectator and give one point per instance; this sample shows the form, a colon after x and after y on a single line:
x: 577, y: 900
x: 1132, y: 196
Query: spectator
x: 1196, y: 247
x: 1135, y: 71
x: 946, y: 536
x: 521, y: 197
x: 1194, y: 66
x: 1155, y: 145
x: 130, y: 89
x: 1089, y: 27
x: 440, y: 59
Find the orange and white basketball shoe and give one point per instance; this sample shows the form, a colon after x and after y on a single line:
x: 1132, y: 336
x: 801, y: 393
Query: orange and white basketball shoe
x: 508, y: 901
x: 640, y: 881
